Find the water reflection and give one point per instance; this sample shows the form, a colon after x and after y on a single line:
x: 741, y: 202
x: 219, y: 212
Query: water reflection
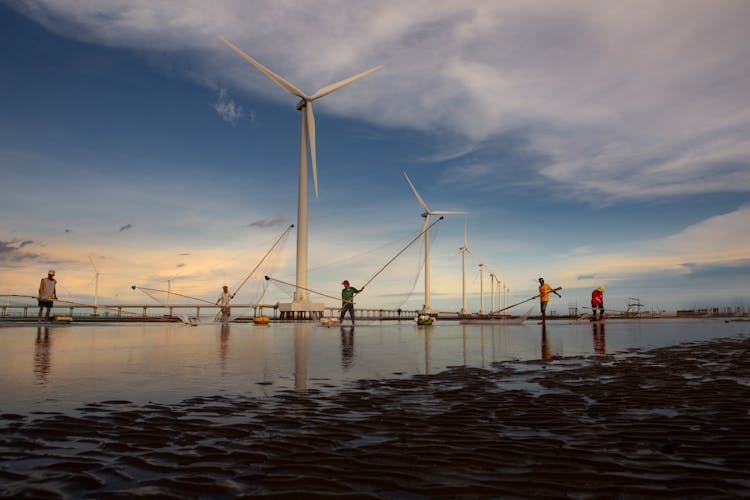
x: 300, y: 356
x: 42, y: 355
x: 481, y: 338
x: 224, y: 344
x: 600, y: 346
x: 347, y: 347
x: 163, y: 362
x: 465, y: 337
x: 546, y: 350
x: 427, y: 332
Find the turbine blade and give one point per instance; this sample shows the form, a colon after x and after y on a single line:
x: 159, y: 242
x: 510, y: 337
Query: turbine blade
x: 479, y: 258
x: 270, y: 74
x: 466, y: 218
x: 335, y: 86
x: 419, y: 198
x: 443, y: 212
x: 93, y: 265
x: 311, y: 141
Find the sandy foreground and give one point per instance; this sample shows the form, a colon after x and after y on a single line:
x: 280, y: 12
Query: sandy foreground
x: 672, y: 422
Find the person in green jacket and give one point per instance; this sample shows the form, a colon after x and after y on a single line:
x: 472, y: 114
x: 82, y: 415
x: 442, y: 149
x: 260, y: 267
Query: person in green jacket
x: 347, y: 300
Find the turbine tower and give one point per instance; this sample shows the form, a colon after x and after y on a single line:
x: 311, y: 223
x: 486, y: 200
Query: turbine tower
x: 426, y: 214
x: 481, y: 288
x: 307, y: 140
x: 96, y: 285
x: 492, y: 292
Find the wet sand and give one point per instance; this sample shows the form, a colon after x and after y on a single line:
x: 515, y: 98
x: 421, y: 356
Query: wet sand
x: 672, y: 422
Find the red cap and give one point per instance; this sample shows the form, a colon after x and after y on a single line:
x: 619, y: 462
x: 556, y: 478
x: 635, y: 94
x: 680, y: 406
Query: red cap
x: 345, y: 282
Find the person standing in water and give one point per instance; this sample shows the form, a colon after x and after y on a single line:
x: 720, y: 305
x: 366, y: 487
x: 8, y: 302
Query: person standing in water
x: 544, y: 290
x: 347, y: 300
x: 47, y: 293
x: 597, y: 303
x: 223, y: 302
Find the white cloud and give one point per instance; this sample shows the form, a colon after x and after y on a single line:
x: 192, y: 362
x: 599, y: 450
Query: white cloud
x: 622, y: 100
x: 723, y: 238
x: 717, y: 241
x: 227, y: 109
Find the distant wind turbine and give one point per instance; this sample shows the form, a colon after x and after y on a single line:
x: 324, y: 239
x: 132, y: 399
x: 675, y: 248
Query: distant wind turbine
x: 462, y: 251
x: 307, y: 139
x: 481, y: 288
x: 96, y: 284
x: 426, y: 214
x: 493, y: 278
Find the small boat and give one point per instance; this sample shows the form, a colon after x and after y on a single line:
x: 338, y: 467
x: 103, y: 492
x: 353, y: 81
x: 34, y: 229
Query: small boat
x: 424, y: 319
x: 261, y: 320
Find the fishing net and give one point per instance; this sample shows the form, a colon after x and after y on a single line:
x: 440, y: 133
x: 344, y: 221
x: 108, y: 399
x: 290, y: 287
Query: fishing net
x: 389, y: 272
x: 249, y: 289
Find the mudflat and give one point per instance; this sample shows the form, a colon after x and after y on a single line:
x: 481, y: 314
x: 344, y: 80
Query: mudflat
x: 669, y: 422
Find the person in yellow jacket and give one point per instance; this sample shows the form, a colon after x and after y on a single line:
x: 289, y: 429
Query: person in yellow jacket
x: 544, y: 290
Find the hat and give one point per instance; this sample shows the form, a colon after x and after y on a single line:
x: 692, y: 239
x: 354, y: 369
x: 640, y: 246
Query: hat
x: 51, y: 272
x: 601, y: 288
x: 345, y: 282
x: 541, y: 280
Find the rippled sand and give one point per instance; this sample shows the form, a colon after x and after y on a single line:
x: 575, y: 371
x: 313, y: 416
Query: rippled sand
x: 673, y: 422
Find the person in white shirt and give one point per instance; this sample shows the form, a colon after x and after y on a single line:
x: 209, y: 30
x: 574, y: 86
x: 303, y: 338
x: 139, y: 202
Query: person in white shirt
x: 223, y: 302
x: 47, y: 293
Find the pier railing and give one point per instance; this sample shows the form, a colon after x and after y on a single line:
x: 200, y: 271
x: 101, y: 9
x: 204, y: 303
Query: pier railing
x: 152, y: 311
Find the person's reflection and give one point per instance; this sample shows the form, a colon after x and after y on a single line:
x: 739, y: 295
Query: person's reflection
x: 347, y: 346
x: 224, y: 343
x: 546, y: 351
x: 600, y: 346
x: 42, y: 355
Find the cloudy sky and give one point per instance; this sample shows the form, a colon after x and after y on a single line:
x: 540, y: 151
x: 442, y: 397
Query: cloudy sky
x: 591, y: 142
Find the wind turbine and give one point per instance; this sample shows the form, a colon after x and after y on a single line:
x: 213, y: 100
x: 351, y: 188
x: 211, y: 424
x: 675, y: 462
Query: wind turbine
x: 426, y: 214
x: 492, y: 292
x: 307, y: 139
x: 481, y: 288
x: 462, y: 251
x: 96, y: 284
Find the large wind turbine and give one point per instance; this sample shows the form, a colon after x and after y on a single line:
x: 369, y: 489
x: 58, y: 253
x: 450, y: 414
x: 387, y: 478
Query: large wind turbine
x: 307, y: 139
x: 426, y: 214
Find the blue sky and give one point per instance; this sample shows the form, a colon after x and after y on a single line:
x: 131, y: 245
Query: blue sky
x: 592, y: 143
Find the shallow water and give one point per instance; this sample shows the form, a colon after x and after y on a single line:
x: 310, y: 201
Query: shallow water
x: 61, y: 368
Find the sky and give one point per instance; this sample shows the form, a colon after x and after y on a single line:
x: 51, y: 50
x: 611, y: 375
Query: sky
x: 594, y: 143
